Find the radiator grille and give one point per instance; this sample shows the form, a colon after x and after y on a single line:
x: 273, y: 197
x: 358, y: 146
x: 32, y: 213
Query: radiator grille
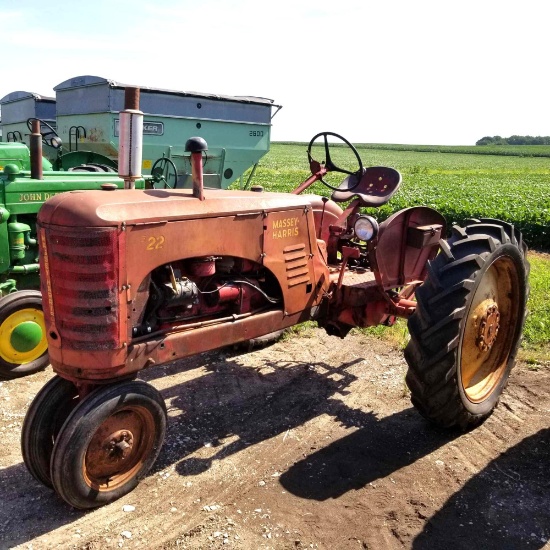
x: 84, y: 285
x: 296, y: 264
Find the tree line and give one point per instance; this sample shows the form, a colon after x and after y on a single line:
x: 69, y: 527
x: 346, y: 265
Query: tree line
x: 514, y: 140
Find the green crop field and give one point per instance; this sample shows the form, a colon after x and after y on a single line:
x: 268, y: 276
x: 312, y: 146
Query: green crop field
x: 511, y: 183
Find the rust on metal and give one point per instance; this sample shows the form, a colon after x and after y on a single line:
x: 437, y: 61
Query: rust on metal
x: 118, y: 448
x: 131, y: 98
x: 488, y: 328
x: 197, y: 175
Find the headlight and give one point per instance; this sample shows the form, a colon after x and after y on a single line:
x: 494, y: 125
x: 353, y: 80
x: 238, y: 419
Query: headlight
x: 365, y: 228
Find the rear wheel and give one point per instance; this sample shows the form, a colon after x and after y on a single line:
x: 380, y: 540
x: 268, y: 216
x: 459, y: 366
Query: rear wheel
x: 467, y: 326
x: 108, y: 443
x: 23, y: 344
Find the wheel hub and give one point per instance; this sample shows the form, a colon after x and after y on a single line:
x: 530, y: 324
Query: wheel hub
x: 23, y: 336
x: 488, y: 326
x: 119, y: 445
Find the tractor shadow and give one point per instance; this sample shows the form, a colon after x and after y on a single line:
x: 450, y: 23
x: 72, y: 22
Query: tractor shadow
x: 380, y: 448
x: 505, y: 506
x: 230, y: 407
x: 247, y: 406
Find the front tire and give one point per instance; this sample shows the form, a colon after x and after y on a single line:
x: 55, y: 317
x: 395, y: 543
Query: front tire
x: 108, y: 443
x: 23, y: 343
x: 47, y: 413
x: 467, y: 326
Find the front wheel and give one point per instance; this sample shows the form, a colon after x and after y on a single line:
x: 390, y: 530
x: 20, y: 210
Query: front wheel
x: 47, y: 413
x: 467, y: 326
x: 23, y: 344
x: 108, y: 443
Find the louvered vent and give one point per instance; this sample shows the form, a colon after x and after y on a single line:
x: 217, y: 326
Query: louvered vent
x: 297, y: 271
x: 84, y: 285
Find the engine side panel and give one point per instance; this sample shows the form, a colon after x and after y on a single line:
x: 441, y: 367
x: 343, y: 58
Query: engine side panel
x: 291, y: 253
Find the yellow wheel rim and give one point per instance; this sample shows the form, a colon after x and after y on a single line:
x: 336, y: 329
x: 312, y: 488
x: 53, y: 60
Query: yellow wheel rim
x: 23, y: 336
x: 489, y: 335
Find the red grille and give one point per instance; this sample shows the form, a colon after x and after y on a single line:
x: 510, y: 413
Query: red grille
x: 83, y: 278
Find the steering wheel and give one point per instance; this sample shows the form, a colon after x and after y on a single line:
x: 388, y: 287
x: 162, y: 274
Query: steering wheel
x: 50, y: 138
x: 329, y: 164
x: 164, y: 169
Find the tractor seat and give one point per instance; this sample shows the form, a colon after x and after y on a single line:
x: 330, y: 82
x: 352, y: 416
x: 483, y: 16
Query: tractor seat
x: 376, y: 187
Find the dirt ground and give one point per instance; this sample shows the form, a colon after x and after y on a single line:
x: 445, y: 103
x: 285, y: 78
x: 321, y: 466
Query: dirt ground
x: 309, y: 443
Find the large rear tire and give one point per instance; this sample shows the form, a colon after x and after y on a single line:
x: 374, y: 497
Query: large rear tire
x: 467, y: 326
x: 23, y: 343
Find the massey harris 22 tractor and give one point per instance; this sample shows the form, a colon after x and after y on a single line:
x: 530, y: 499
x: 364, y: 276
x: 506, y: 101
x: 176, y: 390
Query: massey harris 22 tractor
x: 134, y: 279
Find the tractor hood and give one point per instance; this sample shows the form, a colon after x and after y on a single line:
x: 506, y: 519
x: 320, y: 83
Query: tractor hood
x: 109, y: 208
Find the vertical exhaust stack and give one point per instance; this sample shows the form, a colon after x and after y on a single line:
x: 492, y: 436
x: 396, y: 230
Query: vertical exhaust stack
x: 35, y: 143
x: 131, y: 139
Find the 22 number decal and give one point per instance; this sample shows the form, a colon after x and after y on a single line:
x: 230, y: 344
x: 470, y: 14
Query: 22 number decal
x: 155, y: 243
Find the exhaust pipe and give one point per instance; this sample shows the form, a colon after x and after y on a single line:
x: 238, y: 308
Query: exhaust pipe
x: 131, y: 139
x: 35, y: 145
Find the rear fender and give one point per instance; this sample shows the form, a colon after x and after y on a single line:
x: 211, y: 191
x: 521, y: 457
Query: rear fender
x: 405, y: 243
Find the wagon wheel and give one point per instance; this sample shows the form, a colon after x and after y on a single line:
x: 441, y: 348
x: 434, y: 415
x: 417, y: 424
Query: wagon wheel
x: 108, y: 443
x: 346, y: 157
x: 51, y: 137
x: 164, y: 170
x: 23, y: 344
x: 467, y: 327
x: 47, y: 413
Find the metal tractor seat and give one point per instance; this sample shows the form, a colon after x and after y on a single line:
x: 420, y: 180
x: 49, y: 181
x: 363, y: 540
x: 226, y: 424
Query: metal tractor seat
x: 376, y: 187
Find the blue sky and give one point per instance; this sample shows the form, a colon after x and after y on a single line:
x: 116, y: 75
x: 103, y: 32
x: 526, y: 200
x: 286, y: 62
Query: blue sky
x: 400, y: 71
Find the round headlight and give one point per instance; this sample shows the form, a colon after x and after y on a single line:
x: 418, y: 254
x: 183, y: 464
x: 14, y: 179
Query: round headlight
x: 366, y: 228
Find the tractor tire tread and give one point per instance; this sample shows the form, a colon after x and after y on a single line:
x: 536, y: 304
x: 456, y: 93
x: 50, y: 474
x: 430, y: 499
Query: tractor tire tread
x: 442, y: 303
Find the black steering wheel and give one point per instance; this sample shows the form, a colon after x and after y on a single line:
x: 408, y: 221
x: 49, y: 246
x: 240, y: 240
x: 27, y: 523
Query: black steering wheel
x: 50, y: 137
x: 165, y: 170
x: 330, y: 165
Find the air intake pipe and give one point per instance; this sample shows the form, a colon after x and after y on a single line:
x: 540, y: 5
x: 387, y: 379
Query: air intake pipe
x: 197, y: 146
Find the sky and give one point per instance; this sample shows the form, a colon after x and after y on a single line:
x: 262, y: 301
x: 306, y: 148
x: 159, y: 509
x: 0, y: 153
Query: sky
x: 402, y: 71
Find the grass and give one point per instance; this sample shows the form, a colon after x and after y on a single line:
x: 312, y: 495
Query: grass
x: 511, y: 183
x: 536, y: 334
x: 501, y: 150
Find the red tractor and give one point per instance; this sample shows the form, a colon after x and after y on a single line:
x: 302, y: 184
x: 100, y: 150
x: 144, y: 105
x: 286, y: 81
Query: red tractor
x: 137, y: 278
